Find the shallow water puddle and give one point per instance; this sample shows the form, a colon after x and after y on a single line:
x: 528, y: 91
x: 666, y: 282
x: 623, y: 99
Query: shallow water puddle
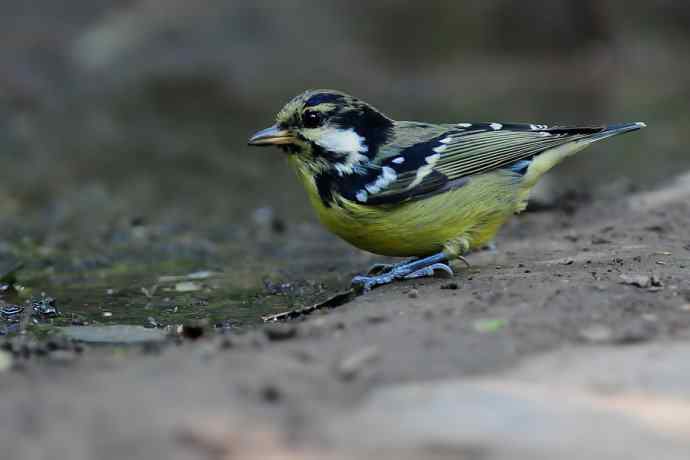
x: 226, y: 301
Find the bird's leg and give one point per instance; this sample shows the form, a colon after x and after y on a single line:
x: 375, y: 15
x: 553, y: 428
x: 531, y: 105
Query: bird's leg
x: 417, y: 268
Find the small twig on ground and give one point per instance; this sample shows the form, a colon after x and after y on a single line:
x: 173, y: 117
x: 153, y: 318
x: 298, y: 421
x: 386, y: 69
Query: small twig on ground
x: 334, y: 301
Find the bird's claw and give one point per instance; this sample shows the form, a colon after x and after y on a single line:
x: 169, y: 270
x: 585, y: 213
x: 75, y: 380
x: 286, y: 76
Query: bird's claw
x: 430, y: 271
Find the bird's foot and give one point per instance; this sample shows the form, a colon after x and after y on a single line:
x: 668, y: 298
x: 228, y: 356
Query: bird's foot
x: 418, y: 268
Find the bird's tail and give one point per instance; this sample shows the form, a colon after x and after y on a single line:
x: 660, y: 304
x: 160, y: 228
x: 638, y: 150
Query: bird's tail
x: 550, y: 158
x: 614, y: 130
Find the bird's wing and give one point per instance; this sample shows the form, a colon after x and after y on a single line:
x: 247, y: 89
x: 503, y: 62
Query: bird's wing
x: 448, y: 159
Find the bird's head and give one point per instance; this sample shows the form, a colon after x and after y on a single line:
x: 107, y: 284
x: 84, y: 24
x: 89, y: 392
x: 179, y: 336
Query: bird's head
x: 327, y: 130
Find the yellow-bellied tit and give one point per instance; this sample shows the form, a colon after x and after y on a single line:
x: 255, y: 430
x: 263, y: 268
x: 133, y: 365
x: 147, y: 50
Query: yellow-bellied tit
x: 410, y: 189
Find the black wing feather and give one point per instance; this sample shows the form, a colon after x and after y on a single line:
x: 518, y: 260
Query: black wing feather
x: 456, y: 154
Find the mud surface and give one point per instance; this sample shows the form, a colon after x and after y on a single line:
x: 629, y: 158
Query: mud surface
x: 606, y: 278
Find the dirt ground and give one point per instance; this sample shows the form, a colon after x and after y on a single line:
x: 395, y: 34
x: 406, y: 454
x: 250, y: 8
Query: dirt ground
x: 570, y: 341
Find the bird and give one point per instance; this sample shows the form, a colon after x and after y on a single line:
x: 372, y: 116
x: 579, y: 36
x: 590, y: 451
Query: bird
x: 425, y: 191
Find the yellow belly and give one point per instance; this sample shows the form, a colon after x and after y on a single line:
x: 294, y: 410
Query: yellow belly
x: 472, y: 214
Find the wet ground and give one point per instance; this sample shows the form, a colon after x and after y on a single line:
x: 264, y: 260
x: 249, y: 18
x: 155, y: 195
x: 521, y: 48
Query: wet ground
x: 148, y: 276
x: 580, y: 319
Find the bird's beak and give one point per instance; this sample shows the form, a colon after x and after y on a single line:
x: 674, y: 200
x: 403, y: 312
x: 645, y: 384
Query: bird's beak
x: 272, y: 136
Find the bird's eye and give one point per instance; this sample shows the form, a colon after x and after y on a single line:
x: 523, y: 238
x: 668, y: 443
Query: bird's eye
x: 311, y: 119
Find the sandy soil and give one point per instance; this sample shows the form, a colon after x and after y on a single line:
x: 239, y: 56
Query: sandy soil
x: 579, y: 318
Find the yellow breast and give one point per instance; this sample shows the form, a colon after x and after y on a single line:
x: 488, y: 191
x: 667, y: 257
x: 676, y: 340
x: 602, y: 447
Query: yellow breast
x: 422, y: 227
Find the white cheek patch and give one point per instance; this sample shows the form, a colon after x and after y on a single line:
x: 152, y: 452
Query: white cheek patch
x: 345, y: 141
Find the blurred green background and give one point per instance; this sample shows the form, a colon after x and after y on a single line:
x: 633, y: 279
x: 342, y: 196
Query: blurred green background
x: 122, y: 109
